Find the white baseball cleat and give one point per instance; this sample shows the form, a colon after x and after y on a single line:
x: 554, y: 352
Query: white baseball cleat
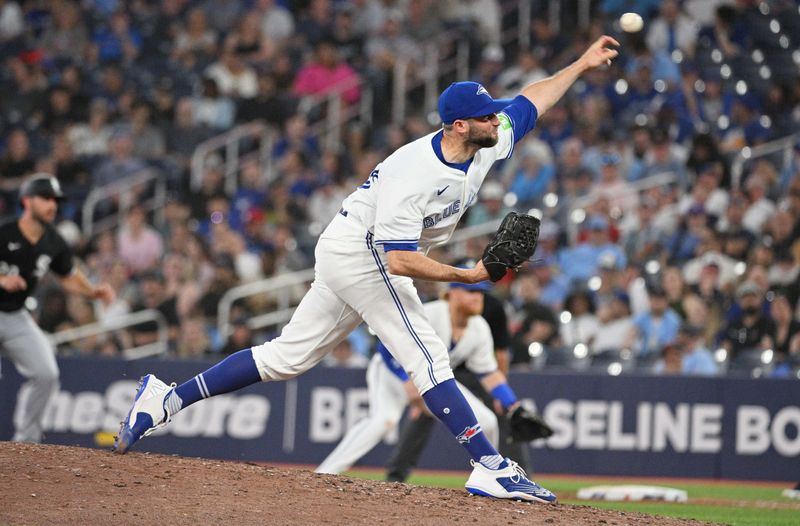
x: 147, y: 414
x: 507, y: 483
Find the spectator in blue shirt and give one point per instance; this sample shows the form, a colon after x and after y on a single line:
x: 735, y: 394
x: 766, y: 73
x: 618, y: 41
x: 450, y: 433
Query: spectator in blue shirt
x: 556, y: 127
x: 118, y: 42
x: 683, y: 244
x: 582, y: 262
x: 655, y: 329
x: 646, y: 8
x: 490, y: 207
x: 697, y: 359
x: 532, y: 179
x: 554, y: 286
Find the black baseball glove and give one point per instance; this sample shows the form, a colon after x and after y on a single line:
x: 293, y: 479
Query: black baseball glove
x: 527, y: 426
x: 513, y: 244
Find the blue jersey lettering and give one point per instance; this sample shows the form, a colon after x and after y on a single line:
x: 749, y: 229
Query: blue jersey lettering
x: 372, y: 177
x: 450, y: 210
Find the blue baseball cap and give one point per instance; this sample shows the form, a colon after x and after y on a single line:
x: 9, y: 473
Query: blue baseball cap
x: 472, y: 287
x: 463, y: 100
x: 480, y: 286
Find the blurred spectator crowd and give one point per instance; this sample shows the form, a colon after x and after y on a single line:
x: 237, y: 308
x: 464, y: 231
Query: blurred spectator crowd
x: 659, y: 250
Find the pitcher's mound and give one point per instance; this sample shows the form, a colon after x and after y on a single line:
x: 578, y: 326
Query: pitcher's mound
x: 46, y: 484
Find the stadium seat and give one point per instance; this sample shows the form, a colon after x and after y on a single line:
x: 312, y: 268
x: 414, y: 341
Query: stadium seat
x: 748, y: 363
x: 564, y: 357
x: 613, y: 361
x: 646, y: 362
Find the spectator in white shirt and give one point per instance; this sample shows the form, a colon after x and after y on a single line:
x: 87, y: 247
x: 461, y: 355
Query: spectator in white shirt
x: 277, y: 23
x: 761, y: 208
x: 233, y: 76
x: 672, y: 30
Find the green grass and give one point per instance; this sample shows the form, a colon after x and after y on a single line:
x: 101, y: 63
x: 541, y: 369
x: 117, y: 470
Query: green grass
x: 716, y: 514
x: 749, y: 504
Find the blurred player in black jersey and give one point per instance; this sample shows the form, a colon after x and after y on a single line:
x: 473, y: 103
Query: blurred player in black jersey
x: 29, y: 247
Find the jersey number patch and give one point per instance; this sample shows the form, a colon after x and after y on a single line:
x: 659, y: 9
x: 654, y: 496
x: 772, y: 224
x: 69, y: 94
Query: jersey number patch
x: 372, y: 178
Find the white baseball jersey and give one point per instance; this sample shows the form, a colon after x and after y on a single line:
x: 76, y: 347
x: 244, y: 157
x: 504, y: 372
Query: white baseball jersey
x: 414, y: 199
x: 387, y: 398
x: 411, y: 201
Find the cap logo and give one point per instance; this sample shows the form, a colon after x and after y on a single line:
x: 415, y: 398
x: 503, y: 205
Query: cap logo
x: 481, y: 91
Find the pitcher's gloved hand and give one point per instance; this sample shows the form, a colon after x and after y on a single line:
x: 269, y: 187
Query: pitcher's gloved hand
x: 514, y: 243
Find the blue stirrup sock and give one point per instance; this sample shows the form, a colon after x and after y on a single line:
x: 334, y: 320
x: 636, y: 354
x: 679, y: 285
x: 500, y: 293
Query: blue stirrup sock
x: 234, y: 372
x: 448, y: 405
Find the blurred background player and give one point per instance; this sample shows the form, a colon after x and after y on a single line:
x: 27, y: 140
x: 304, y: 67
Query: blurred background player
x: 29, y: 247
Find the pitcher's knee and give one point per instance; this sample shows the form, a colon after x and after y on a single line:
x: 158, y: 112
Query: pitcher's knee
x: 274, y: 364
x: 46, y: 377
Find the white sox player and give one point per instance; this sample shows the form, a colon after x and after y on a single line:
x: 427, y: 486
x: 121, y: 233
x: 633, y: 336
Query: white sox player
x: 365, y: 262
x: 456, y: 320
x: 30, y: 247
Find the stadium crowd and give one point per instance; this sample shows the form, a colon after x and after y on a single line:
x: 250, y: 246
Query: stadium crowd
x: 655, y: 250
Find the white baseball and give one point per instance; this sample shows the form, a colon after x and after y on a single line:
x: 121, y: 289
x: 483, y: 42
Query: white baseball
x: 631, y: 22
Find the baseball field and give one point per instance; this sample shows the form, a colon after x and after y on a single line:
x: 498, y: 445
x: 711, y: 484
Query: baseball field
x: 739, y: 503
x: 48, y: 484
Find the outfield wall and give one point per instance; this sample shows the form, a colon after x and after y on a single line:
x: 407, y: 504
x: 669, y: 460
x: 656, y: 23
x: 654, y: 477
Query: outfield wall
x: 626, y: 425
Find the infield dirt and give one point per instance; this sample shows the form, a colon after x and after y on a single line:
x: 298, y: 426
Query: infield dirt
x: 47, y: 484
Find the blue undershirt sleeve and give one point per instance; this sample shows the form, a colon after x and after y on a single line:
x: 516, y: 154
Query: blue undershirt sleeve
x: 505, y: 395
x: 522, y: 114
x: 390, y: 362
x: 388, y: 246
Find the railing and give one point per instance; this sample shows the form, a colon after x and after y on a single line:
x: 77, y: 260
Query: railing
x: 228, y: 144
x: 436, y: 68
x: 786, y: 144
x: 577, y: 212
x: 124, y: 191
x: 336, y: 113
x: 120, y: 322
x: 554, y: 10
x: 281, y: 282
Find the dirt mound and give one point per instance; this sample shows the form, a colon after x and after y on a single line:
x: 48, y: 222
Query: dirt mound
x: 46, y: 484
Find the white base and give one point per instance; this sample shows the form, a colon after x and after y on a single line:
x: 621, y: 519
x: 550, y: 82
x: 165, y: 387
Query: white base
x: 632, y: 493
x: 791, y: 493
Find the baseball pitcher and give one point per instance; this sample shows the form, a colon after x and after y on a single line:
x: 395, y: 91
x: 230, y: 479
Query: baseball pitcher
x: 367, y: 258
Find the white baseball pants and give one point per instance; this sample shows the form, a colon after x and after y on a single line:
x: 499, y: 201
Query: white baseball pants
x: 24, y: 343
x: 352, y: 284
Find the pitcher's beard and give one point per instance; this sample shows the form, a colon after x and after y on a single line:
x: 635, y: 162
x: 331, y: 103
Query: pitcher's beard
x: 486, y: 141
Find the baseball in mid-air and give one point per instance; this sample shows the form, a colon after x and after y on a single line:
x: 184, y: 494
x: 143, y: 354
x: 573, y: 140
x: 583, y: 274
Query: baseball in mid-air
x: 631, y: 22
